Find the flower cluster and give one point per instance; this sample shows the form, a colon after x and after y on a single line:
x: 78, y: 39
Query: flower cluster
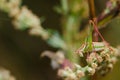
x: 74, y: 73
x: 57, y: 59
x: 10, y: 6
x: 101, y: 58
x: 23, y: 17
x: 5, y: 75
x: 26, y: 19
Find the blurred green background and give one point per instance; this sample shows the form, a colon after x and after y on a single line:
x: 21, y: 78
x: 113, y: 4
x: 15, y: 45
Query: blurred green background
x: 20, y: 52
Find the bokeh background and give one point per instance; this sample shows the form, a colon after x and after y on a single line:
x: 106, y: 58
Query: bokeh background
x: 20, y: 52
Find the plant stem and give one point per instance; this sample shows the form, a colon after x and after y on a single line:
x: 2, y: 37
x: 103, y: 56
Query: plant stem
x: 70, y: 26
x: 103, y: 19
x: 92, y: 9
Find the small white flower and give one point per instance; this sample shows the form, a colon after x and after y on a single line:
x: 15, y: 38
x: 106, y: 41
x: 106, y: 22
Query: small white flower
x: 80, y: 73
x: 91, y: 71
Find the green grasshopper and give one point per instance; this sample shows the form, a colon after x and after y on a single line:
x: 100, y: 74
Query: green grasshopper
x: 96, y: 46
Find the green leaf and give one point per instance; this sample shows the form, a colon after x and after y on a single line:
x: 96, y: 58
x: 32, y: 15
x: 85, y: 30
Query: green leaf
x: 56, y: 41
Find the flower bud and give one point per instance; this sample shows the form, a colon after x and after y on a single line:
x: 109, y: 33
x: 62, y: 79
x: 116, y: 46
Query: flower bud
x: 91, y: 71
